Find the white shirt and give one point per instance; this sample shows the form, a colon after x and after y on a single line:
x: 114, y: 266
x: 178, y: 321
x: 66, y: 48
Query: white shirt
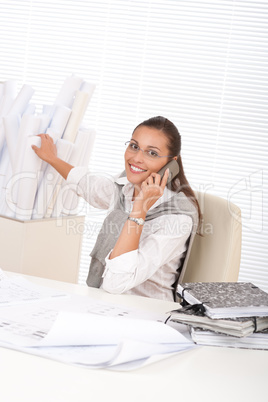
x: 151, y: 269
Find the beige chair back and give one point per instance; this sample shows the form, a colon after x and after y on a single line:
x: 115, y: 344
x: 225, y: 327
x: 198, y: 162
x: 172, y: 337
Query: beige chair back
x: 215, y: 256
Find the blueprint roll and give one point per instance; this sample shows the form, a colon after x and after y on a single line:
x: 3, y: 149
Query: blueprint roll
x: 68, y: 90
x: 78, y: 111
x: 53, y: 134
x: 5, y: 168
x: 59, y: 121
x: 8, y: 96
x: 1, y: 91
x: 22, y: 99
x: 16, y: 106
x: 64, y: 150
x: 28, y: 180
x: 44, y: 122
x: 30, y: 109
x: 29, y: 126
x: 11, y: 129
x: 50, y: 184
x: 80, y: 157
x: 7, y: 207
x: 47, y: 181
x: 89, y: 88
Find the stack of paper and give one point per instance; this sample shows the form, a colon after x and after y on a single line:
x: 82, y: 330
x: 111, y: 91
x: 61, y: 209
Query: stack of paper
x: 234, y: 313
x: 240, y: 326
x: 258, y: 340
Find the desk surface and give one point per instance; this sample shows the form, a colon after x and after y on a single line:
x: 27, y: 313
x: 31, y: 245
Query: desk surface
x: 202, y: 374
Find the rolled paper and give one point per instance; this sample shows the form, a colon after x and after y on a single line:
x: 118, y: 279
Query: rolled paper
x: 2, y: 138
x: 44, y: 122
x: 4, y: 166
x: 18, y: 105
x: 68, y: 90
x: 59, y: 121
x: 78, y: 111
x: 29, y: 126
x: 1, y: 90
x: 9, y: 93
x: 11, y: 129
x: 30, y: 109
x: 55, y: 135
x: 49, y: 109
x: 7, y: 206
x: 68, y: 198
x: 51, y: 180
x: 89, y: 88
x: 28, y: 180
x: 48, y: 180
x: 8, y: 157
x: 80, y: 156
x: 22, y: 99
x: 8, y: 96
x: 65, y: 149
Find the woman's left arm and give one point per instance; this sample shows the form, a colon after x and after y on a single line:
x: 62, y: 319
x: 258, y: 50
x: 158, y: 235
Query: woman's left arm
x: 151, y: 190
x: 163, y: 243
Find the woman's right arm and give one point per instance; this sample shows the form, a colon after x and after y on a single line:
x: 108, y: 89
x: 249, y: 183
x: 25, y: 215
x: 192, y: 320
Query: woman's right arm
x: 48, y: 153
x: 97, y: 190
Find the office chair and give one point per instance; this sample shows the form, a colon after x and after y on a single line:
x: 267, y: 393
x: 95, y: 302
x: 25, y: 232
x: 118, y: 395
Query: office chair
x: 215, y: 256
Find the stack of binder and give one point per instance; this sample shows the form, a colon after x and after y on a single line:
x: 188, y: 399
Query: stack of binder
x: 233, y: 314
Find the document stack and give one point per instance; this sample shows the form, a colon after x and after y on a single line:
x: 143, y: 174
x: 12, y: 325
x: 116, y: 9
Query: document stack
x: 30, y: 188
x: 233, y: 314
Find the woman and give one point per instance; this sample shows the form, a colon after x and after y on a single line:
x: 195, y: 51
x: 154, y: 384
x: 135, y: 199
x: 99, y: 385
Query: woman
x: 143, y: 241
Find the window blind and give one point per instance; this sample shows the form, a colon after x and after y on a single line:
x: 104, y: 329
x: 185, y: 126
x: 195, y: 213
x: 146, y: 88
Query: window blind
x: 202, y: 64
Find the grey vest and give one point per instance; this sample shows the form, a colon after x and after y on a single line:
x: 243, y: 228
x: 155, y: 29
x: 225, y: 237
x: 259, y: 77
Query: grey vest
x: 114, y: 222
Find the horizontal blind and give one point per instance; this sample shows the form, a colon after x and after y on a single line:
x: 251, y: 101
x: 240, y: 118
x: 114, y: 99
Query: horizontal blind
x: 202, y: 64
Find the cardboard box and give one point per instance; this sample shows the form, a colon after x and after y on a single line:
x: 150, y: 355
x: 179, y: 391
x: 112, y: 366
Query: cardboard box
x: 49, y: 248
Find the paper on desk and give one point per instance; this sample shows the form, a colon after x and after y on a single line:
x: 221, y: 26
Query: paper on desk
x: 44, y: 326
x: 82, y: 330
x: 18, y: 290
x: 128, y: 354
x: 91, y: 329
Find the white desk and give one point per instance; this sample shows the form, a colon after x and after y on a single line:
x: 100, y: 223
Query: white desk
x: 203, y: 374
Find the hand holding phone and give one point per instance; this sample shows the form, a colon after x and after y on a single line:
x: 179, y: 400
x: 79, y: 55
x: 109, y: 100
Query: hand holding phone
x: 173, y: 170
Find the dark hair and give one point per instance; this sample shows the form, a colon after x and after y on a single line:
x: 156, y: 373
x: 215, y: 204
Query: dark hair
x: 179, y: 182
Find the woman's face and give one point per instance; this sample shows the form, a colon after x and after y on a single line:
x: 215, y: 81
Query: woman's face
x: 138, y: 164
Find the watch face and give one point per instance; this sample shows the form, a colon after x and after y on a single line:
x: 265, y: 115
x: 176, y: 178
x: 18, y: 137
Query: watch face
x: 139, y: 221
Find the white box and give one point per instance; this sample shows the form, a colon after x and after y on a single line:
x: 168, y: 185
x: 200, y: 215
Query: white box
x: 49, y: 248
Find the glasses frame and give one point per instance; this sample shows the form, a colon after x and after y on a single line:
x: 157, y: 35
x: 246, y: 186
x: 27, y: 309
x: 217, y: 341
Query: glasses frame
x: 145, y: 153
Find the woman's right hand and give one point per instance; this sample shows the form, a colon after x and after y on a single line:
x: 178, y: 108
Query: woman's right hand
x: 47, y: 151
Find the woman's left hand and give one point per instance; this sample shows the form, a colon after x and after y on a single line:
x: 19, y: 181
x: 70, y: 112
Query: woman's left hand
x: 151, y: 190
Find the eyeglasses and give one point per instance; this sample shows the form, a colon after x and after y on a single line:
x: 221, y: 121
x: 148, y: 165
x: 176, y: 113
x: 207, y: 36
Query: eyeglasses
x: 150, y: 153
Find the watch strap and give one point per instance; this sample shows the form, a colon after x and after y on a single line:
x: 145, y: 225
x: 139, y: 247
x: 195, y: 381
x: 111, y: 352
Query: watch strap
x: 139, y: 221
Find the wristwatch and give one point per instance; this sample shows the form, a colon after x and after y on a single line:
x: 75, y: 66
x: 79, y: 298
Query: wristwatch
x: 139, y: 221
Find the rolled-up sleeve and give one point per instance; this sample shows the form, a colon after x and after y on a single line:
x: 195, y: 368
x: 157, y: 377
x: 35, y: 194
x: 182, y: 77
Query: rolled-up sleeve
x: 97, y: 189
x: 161, y: 247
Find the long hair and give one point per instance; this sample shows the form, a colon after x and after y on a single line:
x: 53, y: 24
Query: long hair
x: 179, y: 182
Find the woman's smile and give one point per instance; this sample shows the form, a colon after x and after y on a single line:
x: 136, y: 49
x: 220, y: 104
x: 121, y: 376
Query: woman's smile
x: 136, y: 169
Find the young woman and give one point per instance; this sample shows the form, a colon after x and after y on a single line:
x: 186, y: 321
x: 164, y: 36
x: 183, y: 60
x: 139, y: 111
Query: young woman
x: 144, y: 239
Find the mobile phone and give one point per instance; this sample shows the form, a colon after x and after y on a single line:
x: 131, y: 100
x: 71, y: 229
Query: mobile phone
x: 173, y: 170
